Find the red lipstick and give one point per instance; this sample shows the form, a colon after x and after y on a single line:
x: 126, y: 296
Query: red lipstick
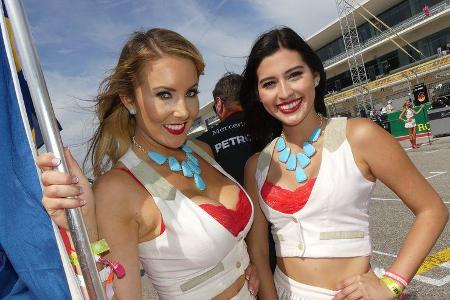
x: 290, y: 106
x: 175, y: 129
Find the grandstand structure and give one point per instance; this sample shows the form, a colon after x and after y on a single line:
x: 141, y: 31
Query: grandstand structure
x: 401, y: 45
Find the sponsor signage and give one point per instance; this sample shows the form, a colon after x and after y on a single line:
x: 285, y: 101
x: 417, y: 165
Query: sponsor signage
x: 420, y: 94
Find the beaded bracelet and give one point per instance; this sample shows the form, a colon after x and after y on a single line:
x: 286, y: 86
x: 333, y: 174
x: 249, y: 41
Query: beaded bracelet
x: 98, y: 248
x: 395, y: 287
x: 397, y: 277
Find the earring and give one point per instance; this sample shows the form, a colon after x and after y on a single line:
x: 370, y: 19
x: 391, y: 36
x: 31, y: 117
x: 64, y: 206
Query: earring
x: 316, y: 82
x: 132, y: 111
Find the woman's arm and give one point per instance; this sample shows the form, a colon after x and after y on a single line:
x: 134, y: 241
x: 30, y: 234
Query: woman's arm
x: 120, y: 205
x: 257, y: 238
x: 387, y: 161
x: 401, y: 115
x: 112, y: 216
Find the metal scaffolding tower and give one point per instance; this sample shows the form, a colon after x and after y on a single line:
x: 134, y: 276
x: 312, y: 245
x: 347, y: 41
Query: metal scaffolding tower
x: 353, y: 50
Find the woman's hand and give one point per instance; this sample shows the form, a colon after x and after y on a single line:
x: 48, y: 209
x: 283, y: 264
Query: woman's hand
x: 58, y: 186
x: 364, y: 286
x: 252, y: 277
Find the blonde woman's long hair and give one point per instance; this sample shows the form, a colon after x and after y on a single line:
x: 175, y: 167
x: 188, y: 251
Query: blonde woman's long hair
x: 116, y: 126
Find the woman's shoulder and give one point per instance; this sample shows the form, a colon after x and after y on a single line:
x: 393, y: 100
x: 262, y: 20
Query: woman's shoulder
x: 364, y: 132
x: 118, y: 190
x: 114, y: 179
x: 123, y: 199
x: 252, y: 162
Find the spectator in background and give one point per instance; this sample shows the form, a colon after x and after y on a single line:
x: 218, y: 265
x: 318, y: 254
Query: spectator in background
x: 426, y: 10
x: 410, y: 121
x: 229, y: 141
x: 389, y: 107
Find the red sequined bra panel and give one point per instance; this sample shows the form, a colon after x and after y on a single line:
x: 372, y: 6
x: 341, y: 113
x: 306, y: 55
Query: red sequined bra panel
x: 234, y: 220
x: 284, y: 200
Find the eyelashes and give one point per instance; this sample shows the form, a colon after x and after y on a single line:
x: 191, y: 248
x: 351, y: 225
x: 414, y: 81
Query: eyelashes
x: 268, y: 84
x: 294, y: 75
x: 165, y: 95
x: 192, y: 93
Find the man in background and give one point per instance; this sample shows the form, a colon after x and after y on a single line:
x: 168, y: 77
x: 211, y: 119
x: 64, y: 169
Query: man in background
x: 228, y: 140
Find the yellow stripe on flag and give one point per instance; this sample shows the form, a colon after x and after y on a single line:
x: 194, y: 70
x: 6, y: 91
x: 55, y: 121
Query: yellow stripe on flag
x: 13, y: 48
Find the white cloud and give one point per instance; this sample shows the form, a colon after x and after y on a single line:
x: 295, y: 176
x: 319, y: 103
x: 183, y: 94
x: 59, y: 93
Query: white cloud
x: 70, y: 97
x: 306, y: 17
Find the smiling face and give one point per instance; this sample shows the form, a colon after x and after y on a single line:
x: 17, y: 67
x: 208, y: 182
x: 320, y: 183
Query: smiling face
x: 286, y: 86
x: 166, y: 101
x: 408, y: 103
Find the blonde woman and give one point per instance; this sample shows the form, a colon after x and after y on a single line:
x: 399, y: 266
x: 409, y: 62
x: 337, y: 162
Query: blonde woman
x: 410, y: 121
x: 160, y: 200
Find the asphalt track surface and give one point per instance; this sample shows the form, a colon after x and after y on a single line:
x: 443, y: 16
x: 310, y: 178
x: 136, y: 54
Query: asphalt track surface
x: 391, y: 219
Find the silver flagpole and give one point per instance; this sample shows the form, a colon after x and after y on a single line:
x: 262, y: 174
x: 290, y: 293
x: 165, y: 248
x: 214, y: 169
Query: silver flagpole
x: 50, y: 132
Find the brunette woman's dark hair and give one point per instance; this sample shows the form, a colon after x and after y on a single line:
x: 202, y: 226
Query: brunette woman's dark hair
x: 261, y: 126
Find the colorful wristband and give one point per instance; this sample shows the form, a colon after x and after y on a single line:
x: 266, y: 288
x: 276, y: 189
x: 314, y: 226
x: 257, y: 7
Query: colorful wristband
x: 74, y: 259
x: 397, y: 277
x: 99, y: 247
x: 395, y: 287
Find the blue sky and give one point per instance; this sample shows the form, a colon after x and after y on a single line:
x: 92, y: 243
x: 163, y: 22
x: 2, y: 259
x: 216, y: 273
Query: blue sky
x: 79, y: 40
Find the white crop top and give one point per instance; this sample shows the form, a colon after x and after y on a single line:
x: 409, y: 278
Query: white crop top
x: 335, y: 221
x: 409, y: 113
x: 196, y: 257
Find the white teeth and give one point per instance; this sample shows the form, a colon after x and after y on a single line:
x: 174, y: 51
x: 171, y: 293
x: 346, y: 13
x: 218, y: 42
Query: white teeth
x: 289, y: 106
x: 175, y: 127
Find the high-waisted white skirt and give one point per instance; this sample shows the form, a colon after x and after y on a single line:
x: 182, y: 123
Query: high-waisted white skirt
x: 411, y: 123
x: 289, y: 289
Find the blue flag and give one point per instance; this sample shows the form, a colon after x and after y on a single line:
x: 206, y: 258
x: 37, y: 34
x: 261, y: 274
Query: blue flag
x: 30, y: 264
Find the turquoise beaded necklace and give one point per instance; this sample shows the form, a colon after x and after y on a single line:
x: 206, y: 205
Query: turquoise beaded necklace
x: 298, y: 162
x: 189, y: 167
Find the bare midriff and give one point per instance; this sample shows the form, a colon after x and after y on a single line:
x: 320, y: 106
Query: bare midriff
x: 232, y: 290
x: 323, y: 272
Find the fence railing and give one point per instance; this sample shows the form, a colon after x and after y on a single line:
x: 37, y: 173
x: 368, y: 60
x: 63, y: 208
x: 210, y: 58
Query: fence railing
x: 388, y: 33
